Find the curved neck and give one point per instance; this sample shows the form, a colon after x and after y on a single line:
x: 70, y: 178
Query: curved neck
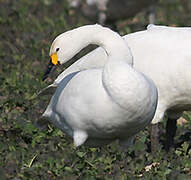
x: 110, y: 41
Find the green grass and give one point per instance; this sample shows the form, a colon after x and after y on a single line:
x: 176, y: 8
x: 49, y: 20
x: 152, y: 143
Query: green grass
x: 27, y: 29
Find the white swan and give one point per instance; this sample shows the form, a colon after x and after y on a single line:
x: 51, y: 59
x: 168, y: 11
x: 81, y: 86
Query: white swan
x: 163, y: 54
x: 98, y: 106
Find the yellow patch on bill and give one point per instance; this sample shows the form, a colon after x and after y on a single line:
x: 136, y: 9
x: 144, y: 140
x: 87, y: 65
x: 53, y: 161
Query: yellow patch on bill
x: 54, y: 58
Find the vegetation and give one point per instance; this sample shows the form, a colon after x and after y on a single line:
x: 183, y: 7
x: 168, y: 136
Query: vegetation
x: 27, y: 29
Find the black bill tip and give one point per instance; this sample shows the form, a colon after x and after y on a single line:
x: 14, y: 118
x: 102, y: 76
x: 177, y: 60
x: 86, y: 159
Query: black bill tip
x: 50, y: 68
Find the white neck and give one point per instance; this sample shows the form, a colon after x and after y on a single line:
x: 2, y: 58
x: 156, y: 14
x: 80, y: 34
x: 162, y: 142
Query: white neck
x: 110, y: 41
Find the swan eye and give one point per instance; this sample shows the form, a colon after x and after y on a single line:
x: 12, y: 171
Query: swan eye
x: 57, y: 49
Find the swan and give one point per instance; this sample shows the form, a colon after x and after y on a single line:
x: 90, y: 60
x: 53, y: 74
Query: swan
x: 98, y: 106
x: 163, y: 54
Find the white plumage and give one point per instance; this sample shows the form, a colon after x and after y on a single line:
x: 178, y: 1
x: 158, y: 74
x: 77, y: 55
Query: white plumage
x: 163, y: 54
x: 100, y: 105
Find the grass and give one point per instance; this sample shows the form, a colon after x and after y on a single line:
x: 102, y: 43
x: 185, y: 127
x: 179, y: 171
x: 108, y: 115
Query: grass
x: 27, y: 29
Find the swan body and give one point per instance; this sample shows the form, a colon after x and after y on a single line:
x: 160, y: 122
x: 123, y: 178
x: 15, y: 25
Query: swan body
x: 98, y: 106
x: 161, y: 53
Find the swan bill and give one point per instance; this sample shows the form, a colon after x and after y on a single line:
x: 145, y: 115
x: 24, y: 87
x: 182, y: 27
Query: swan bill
x: 49, y: 69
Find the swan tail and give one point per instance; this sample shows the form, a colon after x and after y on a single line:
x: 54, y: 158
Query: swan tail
x: 79, y: 137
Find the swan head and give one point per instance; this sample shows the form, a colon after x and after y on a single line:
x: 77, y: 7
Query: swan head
x: 69, y: 43
x: 61, y: 50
